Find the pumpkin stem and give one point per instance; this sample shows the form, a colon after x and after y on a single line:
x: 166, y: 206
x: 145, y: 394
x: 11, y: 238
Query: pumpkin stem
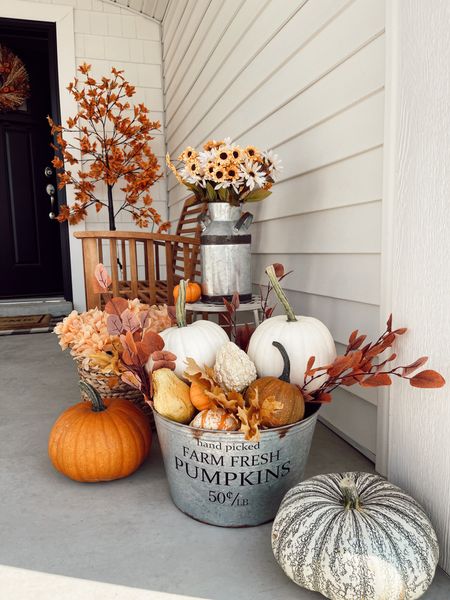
x: 270, y: 272
x: 349, y: 493
x: 181, y: 304
x: 94, y: 396
x: 286, y: 374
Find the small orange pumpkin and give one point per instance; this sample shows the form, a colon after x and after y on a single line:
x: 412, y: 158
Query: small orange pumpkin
x: 193, y: 292
x: 292, y: 407
x: 198, y: 397
x: 100, y: 440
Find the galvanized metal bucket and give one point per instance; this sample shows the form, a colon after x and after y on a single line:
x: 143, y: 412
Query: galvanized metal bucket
x: 225, y: 253
x: 219, y: 478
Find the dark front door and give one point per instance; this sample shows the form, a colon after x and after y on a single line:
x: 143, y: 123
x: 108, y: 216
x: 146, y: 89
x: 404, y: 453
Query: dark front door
x: 31, y: 244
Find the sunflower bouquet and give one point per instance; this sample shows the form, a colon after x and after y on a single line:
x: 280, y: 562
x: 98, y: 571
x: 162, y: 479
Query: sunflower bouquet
x: 226, y: 172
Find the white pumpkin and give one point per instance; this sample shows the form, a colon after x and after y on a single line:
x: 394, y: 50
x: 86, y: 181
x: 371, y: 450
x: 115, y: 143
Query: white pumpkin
x: 302, y: 337
x: 200, y: 340
x: 355, y: 535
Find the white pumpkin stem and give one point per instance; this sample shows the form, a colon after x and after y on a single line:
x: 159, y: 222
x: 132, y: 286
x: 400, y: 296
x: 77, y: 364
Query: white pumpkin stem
x: 93, y: 395
x: 180, y: 308
x: 349, y: 493
x: 270, y: 272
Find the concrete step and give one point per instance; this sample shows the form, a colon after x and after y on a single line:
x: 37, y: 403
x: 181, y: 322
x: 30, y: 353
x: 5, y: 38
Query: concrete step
x: 36, y: 306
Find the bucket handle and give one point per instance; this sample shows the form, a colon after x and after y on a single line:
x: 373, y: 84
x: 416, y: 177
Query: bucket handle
x: 245, y: 221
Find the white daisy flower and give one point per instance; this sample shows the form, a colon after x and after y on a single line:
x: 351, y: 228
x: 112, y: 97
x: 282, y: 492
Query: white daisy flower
x: 273, y: 162
x: 252, y: 174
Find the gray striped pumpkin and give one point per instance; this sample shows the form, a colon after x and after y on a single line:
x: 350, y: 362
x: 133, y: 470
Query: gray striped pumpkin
x: 355, y: 536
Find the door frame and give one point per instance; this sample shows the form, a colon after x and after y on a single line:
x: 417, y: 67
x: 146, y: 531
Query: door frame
x: 65, y: 106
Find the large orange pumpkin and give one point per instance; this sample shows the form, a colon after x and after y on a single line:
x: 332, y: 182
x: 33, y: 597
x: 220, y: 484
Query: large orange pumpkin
x: 99, y: 440
x: 288, y: 395
x: 193, y: 292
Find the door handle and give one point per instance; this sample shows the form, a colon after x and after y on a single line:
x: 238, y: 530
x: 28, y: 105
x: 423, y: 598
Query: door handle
x: 50, y: 189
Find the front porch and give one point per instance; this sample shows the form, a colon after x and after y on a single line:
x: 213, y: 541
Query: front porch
x: 126, y: 532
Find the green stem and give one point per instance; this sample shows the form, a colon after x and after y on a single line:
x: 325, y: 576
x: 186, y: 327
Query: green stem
x: 181, y: 304
x: 286, y: 374
x: 94, y: 396
x: 270, y: 272
x: 350, y: 494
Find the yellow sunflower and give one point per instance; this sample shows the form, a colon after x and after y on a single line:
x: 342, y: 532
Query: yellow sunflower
x: 232, y: 171
x: 236, y: 153
x: 218, y: 175
x: 193, y: 166
x: 253, y: 153
x: 210, y: 144
x: 224, y: 155
x: 188, y: 154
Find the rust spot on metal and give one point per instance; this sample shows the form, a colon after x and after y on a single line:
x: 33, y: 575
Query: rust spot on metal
x: 197, y: 433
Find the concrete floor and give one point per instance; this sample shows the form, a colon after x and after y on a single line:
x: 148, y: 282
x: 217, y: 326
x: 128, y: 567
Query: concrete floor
x: 125, y: 532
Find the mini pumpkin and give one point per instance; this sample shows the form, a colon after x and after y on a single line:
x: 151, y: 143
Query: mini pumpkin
x: 215, y: 418
x: 287, y: 395
x: 99, y: 440
x: 193, y: 292
x: 302, y: 337
x: 200, y: 340
x: 198, y: 397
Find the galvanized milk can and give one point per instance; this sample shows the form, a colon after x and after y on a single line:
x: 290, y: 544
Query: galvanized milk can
x: 220, y: 478
x: 225, y: 253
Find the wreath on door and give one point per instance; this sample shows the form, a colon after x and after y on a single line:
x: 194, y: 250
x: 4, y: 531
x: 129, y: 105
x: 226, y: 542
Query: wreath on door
x: 14, y: 84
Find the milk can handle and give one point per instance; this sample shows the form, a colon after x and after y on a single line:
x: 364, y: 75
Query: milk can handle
x: 204, y: 220
x: 245, y: 221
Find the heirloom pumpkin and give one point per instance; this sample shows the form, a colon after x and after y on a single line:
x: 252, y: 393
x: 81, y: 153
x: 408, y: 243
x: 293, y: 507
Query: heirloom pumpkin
x: 200, y: 340
x: 215, y: 418
x: 355, y: 535
x: 286, y: 394
x: 302, y: 337
x: 193, y: 292
x: 99, y: 440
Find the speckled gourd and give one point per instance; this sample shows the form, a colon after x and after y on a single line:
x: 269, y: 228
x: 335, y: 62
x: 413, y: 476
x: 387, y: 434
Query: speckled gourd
x: 355, y: 535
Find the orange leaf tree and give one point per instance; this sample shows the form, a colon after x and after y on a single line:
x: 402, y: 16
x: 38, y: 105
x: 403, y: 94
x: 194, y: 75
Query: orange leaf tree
x: 108, y: 141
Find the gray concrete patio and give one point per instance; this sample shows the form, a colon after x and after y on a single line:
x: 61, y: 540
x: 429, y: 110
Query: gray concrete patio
x: 125, y: 532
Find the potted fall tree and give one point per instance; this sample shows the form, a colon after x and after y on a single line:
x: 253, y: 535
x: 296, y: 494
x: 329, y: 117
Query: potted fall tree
x: 107, y: 141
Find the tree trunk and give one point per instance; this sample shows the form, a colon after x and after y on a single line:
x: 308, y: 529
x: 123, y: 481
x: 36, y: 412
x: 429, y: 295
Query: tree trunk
x: 112, y: 220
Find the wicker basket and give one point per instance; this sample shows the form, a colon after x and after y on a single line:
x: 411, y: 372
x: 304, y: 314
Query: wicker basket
x: 101, y: 382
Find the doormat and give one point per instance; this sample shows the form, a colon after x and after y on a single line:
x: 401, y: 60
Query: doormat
x: 28, y: 324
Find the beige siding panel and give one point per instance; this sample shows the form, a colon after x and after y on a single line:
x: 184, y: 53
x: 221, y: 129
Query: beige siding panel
x: 345, y: 276
x: 208, y: 36
x: 240, y: 43
x: 324, y: 51
x: 197, y: 11
x: 351, y: 229
x: 353, y: 417
x: 353, y: 181
x: 340, y: 316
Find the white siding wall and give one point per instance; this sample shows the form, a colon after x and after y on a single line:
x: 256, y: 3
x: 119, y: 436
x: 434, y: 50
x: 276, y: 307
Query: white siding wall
x: 417, y: 256
x: 305, y: 78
